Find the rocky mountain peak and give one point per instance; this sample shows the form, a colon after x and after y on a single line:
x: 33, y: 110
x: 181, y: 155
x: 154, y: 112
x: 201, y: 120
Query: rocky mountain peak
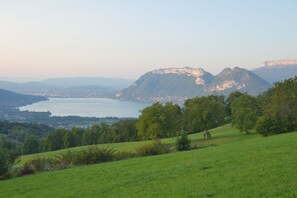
x: 225, y: 71
x: 194, y: 72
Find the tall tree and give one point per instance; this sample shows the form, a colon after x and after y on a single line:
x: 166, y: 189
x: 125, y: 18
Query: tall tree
x: 173, y: 119
x: 125, y: 130
x: 279, y: 108
x: 31, y: 145
x: 230, y: 100
x: 55, y: 140
x: 244, y: 113
x: 203, y: 113
x: 91, y: 135
x: 106, y: 133
x: 8, y: 155
x: 158, y: 121
x: 69, y: 140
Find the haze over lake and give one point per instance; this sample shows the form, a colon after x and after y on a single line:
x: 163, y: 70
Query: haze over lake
x: 87, y: 107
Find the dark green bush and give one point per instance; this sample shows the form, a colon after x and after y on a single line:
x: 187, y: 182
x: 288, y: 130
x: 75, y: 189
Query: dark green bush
x: 91, y: 155
x: 268, y: 126
x: 123, y: 155
x: 94, y: 155
x: 183, y: 142
x: 41, y: 164
x: 154, y: 148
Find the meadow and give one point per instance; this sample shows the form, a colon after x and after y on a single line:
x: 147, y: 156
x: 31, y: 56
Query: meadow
x: 229, y: 165
x: 220, y: 135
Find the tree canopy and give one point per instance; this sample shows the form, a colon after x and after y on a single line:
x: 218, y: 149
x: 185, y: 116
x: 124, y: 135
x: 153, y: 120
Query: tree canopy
x: 279, y: 108
x: 203, y: 113
x: 159, y: 121
x: 244, y: 113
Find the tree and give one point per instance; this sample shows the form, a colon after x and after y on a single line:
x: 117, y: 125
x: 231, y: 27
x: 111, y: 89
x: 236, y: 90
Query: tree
x: 8, y: 155
x: 159, y: 121
x: 55, y: 140
x: 69, y: 140
x: 244, y: 113
x: 125, y: 130
x: 73, y: 137
x: 203, y: 113
x: 106, y: 133
x: 173, y: 119
x: 91, y: 136
x: 279, y: 108
x: 230, y: 100
x: 183, y: 143
x: 31, y: 145
x: 78, y: 134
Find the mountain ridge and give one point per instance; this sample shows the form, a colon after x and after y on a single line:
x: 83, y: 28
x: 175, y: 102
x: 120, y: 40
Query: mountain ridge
x: 276, y: 73
x: 178, y: 84
x: 11, y: 99
x: 69, y: 87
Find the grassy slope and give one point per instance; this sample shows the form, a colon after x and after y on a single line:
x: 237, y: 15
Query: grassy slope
x: 249, y: 166
x: 220, y: 135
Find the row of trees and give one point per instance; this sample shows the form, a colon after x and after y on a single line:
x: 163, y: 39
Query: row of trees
x: 20, y: 131
x: 278, y: 107
x: 165, y: 120
x: 273, y: 112
x: 121, y: 131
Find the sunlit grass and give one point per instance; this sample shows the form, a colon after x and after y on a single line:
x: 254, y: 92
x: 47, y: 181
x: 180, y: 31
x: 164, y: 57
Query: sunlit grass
x: 238, y: 165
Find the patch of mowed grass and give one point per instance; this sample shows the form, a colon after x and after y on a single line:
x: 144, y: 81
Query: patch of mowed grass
x: 252, y: 166
x: 220, y: 135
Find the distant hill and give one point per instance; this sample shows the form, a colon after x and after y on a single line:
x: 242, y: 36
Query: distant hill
x: 10, y: 99
x: 69, y: 87
x: 230, y: 80
x: 106, y: 83
x: 179, y: 84
x: 275, y: 71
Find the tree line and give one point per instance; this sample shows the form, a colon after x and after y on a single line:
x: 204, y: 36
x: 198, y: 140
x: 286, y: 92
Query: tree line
x: 272, y: 112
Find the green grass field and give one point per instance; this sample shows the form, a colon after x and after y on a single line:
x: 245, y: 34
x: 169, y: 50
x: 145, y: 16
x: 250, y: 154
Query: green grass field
x: 220, y: 135
x: 235, y: 165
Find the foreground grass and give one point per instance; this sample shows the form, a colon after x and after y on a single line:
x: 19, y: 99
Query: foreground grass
x: 246, y: 166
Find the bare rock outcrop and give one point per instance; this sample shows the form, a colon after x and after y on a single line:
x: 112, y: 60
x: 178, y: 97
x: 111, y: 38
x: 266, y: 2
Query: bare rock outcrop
x: 280, y: 62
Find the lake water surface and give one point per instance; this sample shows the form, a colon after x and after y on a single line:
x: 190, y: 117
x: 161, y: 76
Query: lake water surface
x: 87, y: 107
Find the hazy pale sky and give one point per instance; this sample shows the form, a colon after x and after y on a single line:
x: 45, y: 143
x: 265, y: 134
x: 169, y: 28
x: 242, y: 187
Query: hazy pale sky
x: 126, y: 38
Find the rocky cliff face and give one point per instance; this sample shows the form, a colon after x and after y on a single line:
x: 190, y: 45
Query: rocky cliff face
x: 280, y: 62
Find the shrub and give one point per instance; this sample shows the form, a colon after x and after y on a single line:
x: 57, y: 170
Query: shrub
x: 94, y: 155
x: 91, y: 155
x: 154, y: 148
x: 40, y: 164
x: 183, y: 143
x: 268, y: 126
x: 123, y: 155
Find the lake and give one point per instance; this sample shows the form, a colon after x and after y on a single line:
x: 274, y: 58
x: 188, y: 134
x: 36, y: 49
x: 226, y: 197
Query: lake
x: 87, y: 107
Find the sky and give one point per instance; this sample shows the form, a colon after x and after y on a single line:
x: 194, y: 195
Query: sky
x: 127, y: 38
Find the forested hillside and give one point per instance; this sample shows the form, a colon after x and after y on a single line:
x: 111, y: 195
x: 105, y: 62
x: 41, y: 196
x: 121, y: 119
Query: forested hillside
x: 10, y: 99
